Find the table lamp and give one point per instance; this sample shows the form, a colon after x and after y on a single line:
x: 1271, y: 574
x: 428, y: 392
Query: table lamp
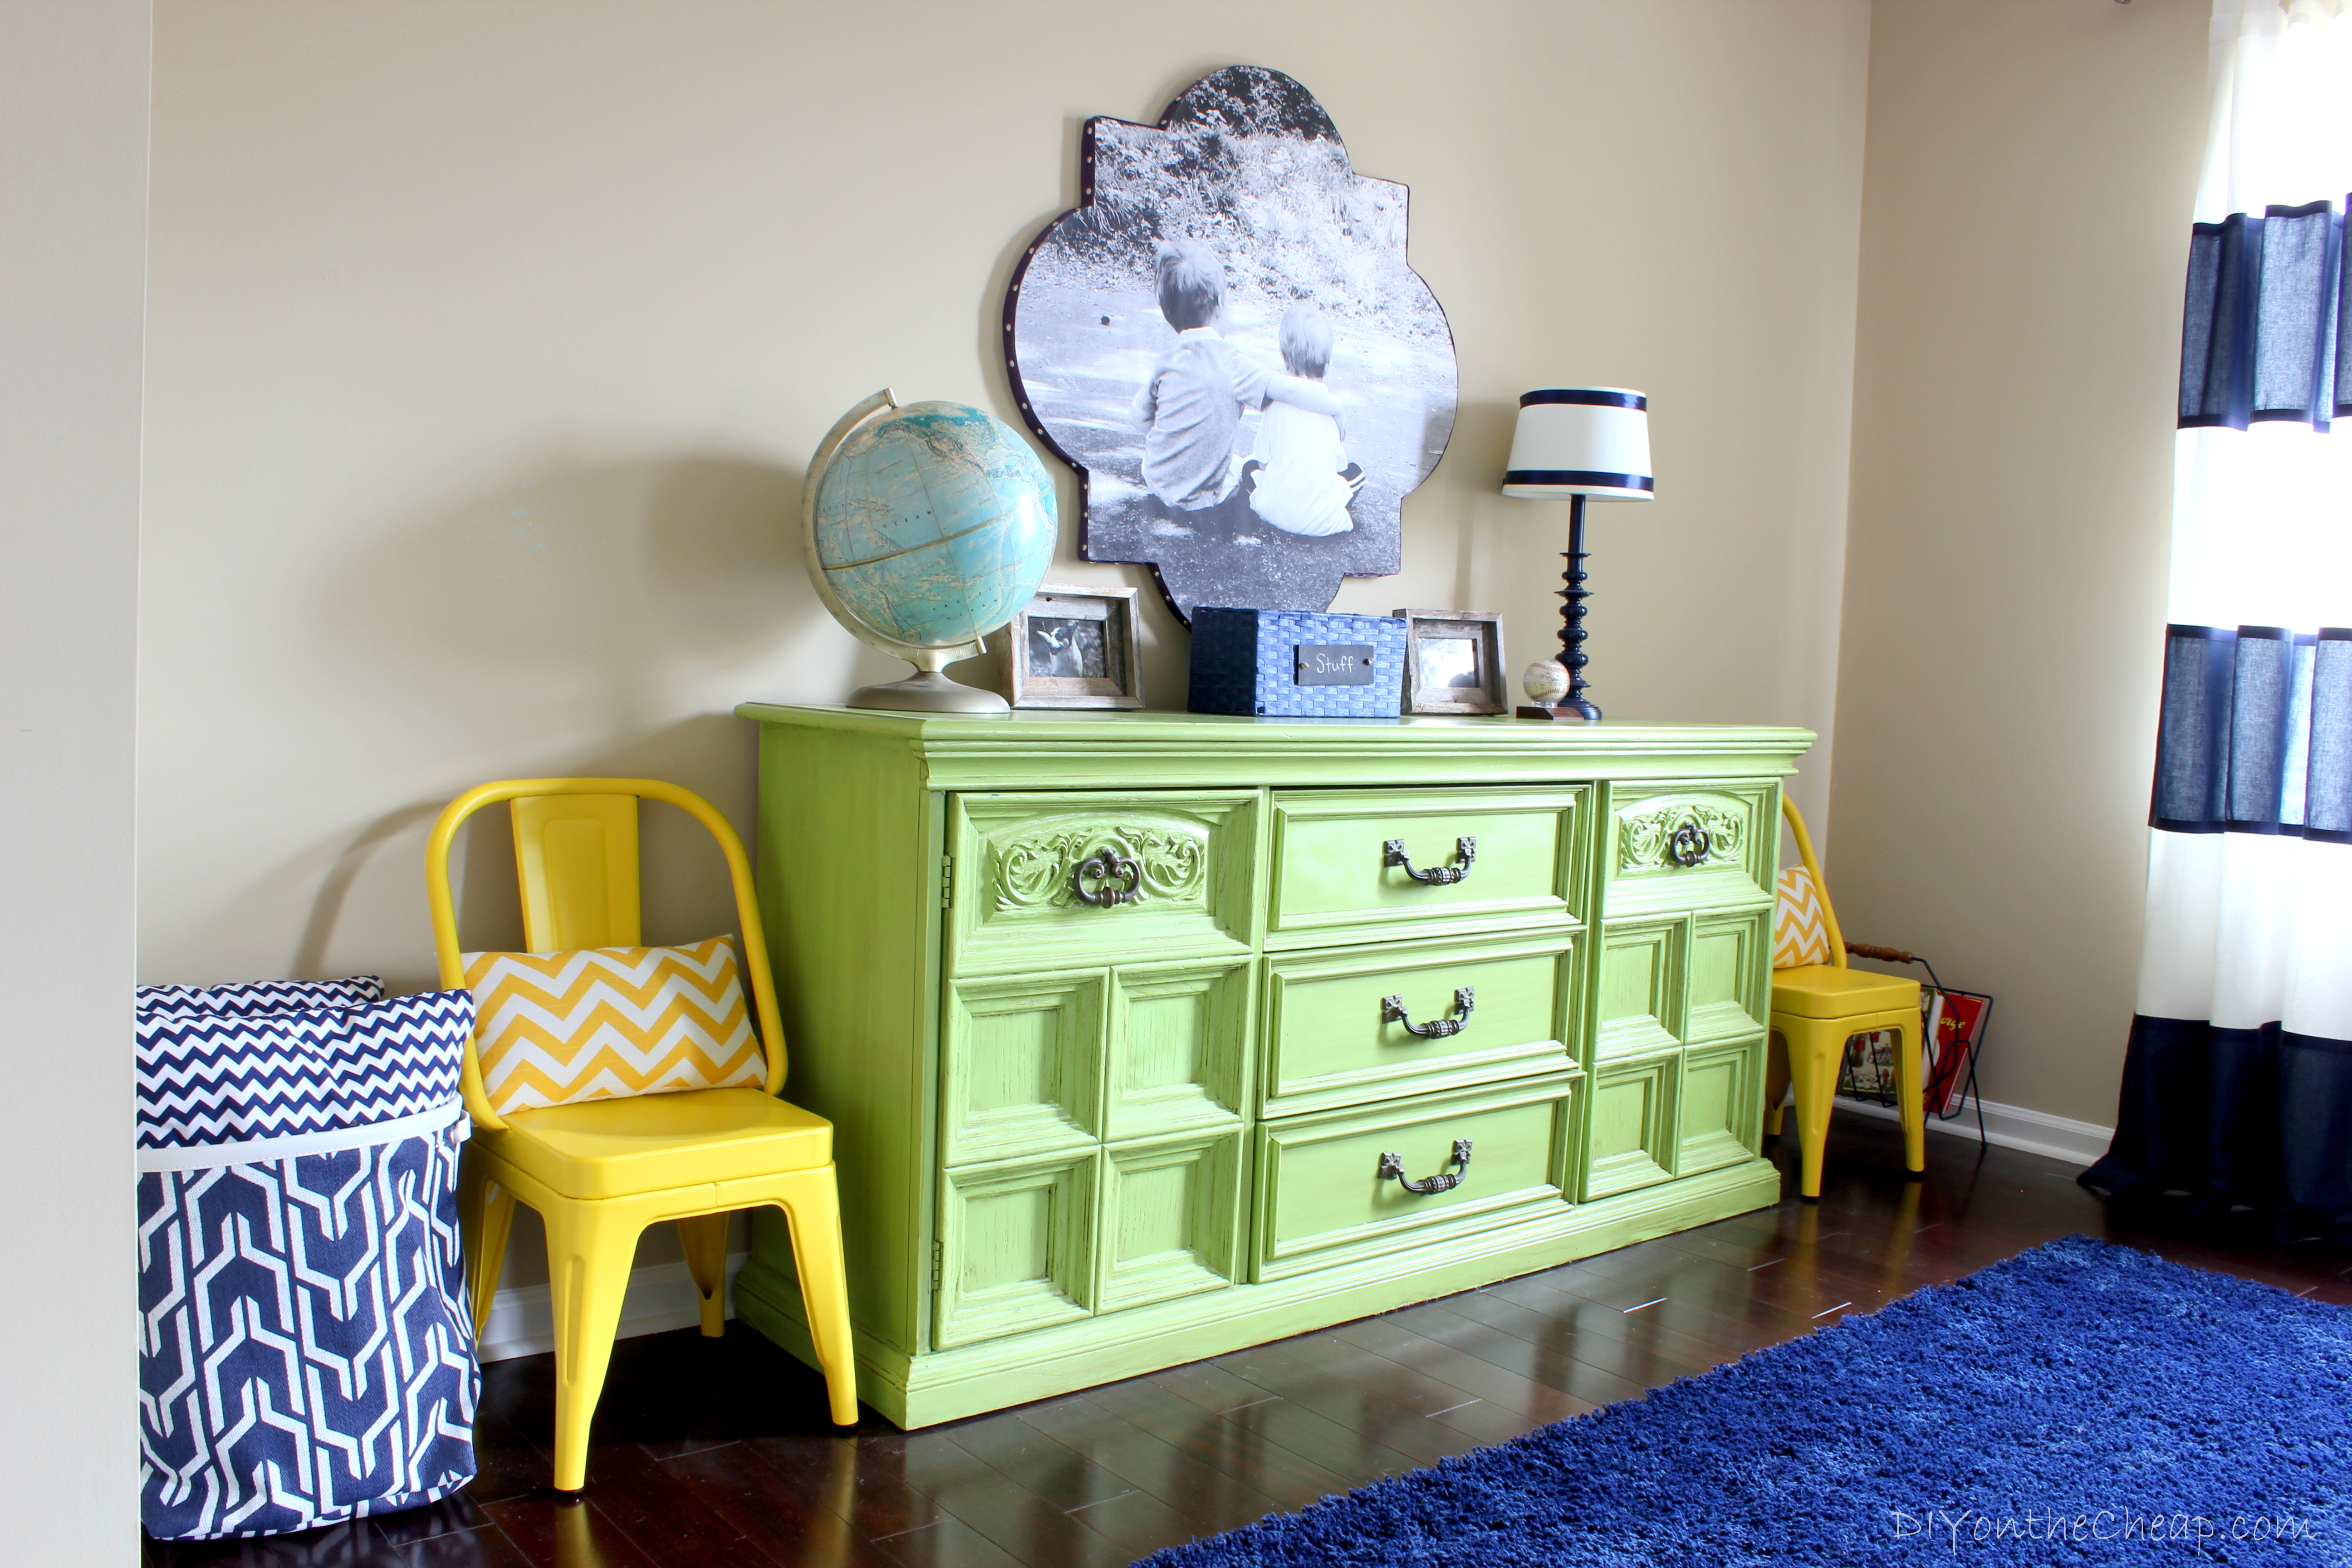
x: 1577, y: 444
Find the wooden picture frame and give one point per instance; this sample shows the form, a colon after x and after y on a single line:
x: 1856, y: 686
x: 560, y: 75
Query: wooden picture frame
x: 1072, y: 647
x: 1453, y: 662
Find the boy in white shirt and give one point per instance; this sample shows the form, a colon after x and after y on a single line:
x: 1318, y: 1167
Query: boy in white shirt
x: 1304, y: 480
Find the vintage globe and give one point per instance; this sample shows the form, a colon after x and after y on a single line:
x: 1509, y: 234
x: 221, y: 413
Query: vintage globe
x: 932, y: 525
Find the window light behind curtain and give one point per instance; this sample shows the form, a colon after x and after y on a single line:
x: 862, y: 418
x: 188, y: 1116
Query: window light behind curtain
x: 2237, y: 1088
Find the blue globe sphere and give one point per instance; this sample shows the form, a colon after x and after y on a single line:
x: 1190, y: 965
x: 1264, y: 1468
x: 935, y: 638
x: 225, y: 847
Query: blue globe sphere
x: 933, y: 523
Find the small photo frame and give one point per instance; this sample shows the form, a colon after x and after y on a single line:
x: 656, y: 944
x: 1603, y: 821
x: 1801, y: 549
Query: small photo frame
x: 1072, y: 647
x: 1453, y: 662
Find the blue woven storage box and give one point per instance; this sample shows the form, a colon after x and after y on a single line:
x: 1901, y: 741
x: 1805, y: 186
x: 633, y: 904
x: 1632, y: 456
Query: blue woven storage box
x: 1286, y: 664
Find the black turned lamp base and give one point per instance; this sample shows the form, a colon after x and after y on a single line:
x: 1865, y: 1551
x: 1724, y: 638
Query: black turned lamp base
x: 1574, y: 708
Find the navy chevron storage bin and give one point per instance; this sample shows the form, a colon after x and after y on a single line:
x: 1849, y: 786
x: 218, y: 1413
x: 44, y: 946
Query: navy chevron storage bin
x: 306, y: 1355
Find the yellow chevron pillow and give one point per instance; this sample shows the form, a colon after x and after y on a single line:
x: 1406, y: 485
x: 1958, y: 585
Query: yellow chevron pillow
x: 1800, y: 933
x: 609, y: 1022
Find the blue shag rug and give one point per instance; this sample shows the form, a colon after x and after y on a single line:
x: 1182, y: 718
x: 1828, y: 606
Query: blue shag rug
x: 2082, y: 1403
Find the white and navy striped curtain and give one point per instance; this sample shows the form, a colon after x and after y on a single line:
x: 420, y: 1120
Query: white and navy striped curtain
x: 2237, y: 1091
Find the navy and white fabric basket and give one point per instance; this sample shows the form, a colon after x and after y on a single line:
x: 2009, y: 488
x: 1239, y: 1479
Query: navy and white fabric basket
x: 1286, y: 664
x: 306, y: 1355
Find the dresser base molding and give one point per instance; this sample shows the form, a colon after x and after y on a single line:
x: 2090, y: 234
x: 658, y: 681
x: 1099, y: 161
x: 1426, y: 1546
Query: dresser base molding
x: 946, y: 1385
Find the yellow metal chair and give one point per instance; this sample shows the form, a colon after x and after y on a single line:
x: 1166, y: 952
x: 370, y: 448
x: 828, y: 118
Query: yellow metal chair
x: 1816, y: 1008
x: 600, y: 1172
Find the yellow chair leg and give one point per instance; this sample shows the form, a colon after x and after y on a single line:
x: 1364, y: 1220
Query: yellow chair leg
x: 1815, y: 1049
x: 704, y: 1238
x: 1909, y: 1096
x: 588, y: 1254
x: 812, y: 1206
x: 485, y: 1218
x: 1775, y: 1083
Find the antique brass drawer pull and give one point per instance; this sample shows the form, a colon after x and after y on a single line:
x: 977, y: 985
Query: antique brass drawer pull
x: 1105, y: 869
x: 1690, y: 845
x: 1444, y: 1180
x: 1465, y: 849
x: 1464, y: 998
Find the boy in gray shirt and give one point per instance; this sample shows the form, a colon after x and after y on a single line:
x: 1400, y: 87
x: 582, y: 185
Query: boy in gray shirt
x: 1191, y: 404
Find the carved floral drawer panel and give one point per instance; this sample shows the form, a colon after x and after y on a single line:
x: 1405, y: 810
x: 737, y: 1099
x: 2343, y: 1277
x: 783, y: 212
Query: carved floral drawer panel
x: 1690, y: 847
x: 1060, y: 879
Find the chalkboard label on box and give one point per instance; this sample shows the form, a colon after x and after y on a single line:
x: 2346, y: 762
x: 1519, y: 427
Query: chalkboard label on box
x: 1334, y: 664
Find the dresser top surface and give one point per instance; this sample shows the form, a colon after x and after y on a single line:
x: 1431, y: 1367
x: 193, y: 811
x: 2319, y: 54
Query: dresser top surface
x: 1116, y: 727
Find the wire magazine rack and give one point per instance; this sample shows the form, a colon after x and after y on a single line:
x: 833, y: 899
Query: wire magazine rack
x: 1954, y: 1024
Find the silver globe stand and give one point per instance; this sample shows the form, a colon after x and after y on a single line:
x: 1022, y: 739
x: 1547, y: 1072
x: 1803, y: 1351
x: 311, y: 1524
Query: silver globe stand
x: 929, y: 691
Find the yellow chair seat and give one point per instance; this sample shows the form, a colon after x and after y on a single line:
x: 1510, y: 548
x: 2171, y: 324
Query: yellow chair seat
x: 617, y: 1148
x: 1819, y: 991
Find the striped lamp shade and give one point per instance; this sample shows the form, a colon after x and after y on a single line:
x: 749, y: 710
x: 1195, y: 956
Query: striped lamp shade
x: 1590, y: 441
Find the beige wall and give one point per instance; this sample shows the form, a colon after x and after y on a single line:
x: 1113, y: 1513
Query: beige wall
x: 489, y: 340
x: 2030, y: 168
x: 73, y: 185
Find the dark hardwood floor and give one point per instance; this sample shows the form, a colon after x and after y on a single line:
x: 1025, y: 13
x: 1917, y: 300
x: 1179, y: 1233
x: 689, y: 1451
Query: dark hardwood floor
x: 716, y: 1453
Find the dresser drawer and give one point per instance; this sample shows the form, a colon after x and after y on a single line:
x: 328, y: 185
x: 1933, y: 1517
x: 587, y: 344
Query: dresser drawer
x: 1060, y: 879
x: 1322, y: 1199
x: 1340, y: 1025
x: 1354, y: 865
x: 1674, y: 849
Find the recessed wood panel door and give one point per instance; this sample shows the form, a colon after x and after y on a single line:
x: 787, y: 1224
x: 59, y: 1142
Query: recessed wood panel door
x: 1641, y: 998
x: 1171, y: 1218
x: 1016, y: 1248
x: 1021, y: 1065
x: 1633, y: 1140
x: 1722, y: 1105
x: 1730, y: 988
x: 1180, y: 1047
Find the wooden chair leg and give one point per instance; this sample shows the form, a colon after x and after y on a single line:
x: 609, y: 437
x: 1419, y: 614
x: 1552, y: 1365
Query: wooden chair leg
x: 589, y: 1255
x: 704, y: 1238
x: 812, y: 1205
x: 485, y: 1219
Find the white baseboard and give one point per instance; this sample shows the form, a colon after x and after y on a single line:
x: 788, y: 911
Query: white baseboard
x: 661, y: 1298
x: 2012, y: 1127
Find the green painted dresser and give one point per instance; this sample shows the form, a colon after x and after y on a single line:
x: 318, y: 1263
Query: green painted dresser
x: 1134, y: 1028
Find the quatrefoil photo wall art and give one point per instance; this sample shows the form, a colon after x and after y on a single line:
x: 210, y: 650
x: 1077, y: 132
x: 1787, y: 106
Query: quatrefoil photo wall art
x: 1225, y: 338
